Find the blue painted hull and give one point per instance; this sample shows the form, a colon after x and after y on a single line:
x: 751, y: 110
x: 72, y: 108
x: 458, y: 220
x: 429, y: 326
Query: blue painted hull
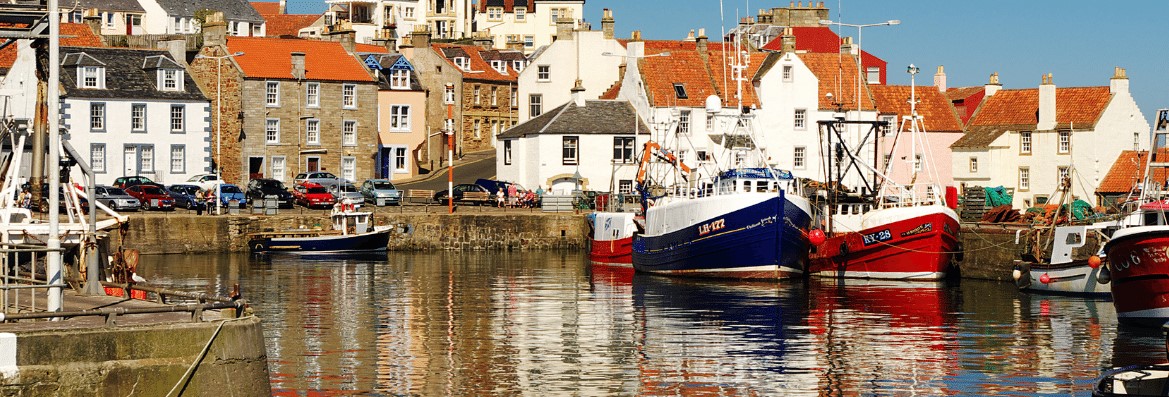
x: 761, y: 241
x: 322, y: 244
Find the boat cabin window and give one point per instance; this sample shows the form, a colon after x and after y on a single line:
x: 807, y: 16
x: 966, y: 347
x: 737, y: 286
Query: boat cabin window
x: 1074, y: 238
x: 1152, y: 218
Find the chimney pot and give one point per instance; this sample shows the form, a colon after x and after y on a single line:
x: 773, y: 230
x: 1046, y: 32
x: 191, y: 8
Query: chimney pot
x: 940, y: 79
x: 607, y: 24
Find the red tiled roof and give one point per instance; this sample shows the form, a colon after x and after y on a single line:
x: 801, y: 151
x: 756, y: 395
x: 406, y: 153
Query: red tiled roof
x: 1074, y: 105
x: 72, y: 35
x: 838, y: 76
x: 700, y: 79
x: 1129, y: 170
x: 286, y: 25
x: 822, y: 40
x: 480, y: 68
x: 933, y: 106
x: 266, y: 8
x: 717, y: 73
x: 272, y: 58
x: 966, y: 100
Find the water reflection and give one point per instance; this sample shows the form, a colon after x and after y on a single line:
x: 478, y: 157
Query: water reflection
x: 551, y: 323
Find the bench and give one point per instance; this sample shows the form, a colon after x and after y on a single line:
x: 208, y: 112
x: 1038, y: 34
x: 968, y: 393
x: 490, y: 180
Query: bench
x: 477, y: 197
x: 419, y: 194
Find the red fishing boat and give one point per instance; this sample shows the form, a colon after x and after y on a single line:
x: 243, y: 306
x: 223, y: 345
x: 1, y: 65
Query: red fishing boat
x: 910, y: 232
x: 611, y: 240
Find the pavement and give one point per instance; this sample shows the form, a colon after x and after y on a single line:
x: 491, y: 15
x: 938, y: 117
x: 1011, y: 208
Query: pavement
x: 472, y: 166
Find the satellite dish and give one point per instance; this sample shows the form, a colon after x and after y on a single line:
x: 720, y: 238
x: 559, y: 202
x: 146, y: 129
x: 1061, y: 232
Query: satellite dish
x: 713, y: 104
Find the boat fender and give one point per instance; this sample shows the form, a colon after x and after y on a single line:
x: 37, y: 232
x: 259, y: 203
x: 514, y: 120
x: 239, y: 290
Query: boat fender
x: 1105, y: 275
x: 259, y: 246
x: 1045, y: 278
x: 1022, y: 276
x: 1094, y: 261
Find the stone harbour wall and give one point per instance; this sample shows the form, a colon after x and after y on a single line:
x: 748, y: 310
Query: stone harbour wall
x: 989, y: 251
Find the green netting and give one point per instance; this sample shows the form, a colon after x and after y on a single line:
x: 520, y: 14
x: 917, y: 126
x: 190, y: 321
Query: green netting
x: 1081, y: 209
x: 996, y: 196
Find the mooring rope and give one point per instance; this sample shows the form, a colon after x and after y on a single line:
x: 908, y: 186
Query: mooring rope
x: 187, y: 375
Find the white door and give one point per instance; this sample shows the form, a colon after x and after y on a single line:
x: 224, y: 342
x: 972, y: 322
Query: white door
x: 130, y: 163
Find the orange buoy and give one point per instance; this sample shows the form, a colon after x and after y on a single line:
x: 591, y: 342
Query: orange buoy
x: 1094, y: 261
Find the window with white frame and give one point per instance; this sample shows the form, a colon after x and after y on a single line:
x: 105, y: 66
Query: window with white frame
x: 684, y: 122
x: 476, y: 94
x: 625, y: 186
x: 873, y: 75
x: 349, y: 133
x: 272, y: 93
x: 478, y: 130
x: 888, y: 126
x: 97, y: 157
x: 448, y: 94
x: 312, y: 131
x: 146, y: 158
x: 278, y: 168
x: 401, y: 164
x: 521, y: 14
x: 507, y: 152
x: 1025, y: 142
x: 408, y: 12
x: 570, y: 152
x: 494, y: 96
x: 799, y: 119
x: 787, y: 72
x: 499, y: 66
x: 1136, y: 141
x: 543, y: 72
x: 917, y: 162
x: 178, y: 159
x: 400, y: 79
x: 170, y: 79
x: 518, y: 65
x: 529, y: 41
x: 312, y: 95
x: 400, y: 117
x: 800, y: 157
x: 349, y: 168
x: 973, y: 165
x: 700, y: 155
x: 1065, y: 141
x: 1063, y: 173
x: 514, y: 97
x: 349, y: 96
x: 272, y: 131
x: 1024, y: 178
x: 97, y: 116
x: 463, y: 63
x: 138, y: 117
x: 494, y: 13
x: 623, y: 149
x: 535, y: 105
x: 91, y: 76
x: 178, y: 118
x: 556, y: 13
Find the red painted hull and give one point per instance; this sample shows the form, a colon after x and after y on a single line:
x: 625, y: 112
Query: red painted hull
x: 618, y: 251
x: 1139, y: 266
x: 919, y: 248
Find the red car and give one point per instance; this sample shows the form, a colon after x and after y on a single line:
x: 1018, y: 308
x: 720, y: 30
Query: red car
x: 312, y: 195
x: 152, y: 197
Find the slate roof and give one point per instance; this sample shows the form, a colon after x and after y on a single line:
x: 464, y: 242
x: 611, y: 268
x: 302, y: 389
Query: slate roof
x: 595, y: 118
x: 933, y: 106
x: 130, y: 74
x: 386, y: 61
x: 269, y: 58
x: 508, y: 5
x: 480, y: 67
x: 837, y: 75
x: 1129, y: 170
x: 233, y: 10
x: 72, y: 34
x: 1018, y: 110
x: 822, y: 40
x: 108, y: 5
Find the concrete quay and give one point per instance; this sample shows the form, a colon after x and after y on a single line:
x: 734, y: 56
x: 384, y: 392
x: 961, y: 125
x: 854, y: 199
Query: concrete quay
x: 155, y: 354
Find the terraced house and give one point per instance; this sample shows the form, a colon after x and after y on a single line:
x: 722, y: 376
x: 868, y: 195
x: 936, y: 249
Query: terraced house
x: 288, y: 106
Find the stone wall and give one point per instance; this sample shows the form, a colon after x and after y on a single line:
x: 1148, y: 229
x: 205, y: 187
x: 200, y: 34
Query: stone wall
x: 989, y: 251
x: 141, y: 361
x: 183, y: 233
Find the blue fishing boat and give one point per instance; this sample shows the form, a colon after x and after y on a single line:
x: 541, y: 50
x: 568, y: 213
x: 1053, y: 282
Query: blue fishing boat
x: 352, y: 232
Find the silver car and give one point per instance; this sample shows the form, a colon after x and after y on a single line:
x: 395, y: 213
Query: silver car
x: 115, y: 198
x: 319, y: 177
x: 346, y: 191
x: 381, y: 192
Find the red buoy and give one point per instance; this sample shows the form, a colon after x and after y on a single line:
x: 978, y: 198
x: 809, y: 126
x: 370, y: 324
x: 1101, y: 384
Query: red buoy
x: 1094, y: 261
x: 816, y: 237
x: 1045, y: 278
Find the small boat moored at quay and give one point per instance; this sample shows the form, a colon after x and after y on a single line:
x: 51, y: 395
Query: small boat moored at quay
x: 1064, y: 259
x: 1136, y: 380
x: 353, y: 232
x: 611, y: 237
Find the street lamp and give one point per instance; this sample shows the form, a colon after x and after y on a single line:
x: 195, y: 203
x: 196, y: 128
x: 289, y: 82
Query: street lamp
x: 859, y: 32
x: 219, y: 125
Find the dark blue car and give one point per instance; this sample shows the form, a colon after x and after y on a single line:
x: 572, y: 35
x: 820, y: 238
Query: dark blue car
x: 186, y: 196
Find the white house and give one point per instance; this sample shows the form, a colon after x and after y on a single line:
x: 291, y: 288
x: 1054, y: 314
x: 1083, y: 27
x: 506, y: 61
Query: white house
x: 551, y: 149
x: 591, y: 57
x: 115, y: 17
x: 374, y: 20
x: 131, y: 112
x: 531, y: 24
x: 178, y: 16
x: 1027, y: 139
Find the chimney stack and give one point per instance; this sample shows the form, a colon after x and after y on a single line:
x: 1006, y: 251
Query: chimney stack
x: 1047, y: 119
x: 701, y: 41
x: 564, y: 28
x: 283, y: 7
x: 992, y: 86
x: 578, y: 94
x: 689, y: 36
x: 483, y: 40
x: 846, y: 46
x: 344, y: 34
x: 940, y: 79
x: 92, y: 19
x: 421, y: 37
x: 298, y: 65
x: 1119, y: 82
x: 789, y: 40
x: 607, y: 23
x: 214, y: 30
x: 635, y: 36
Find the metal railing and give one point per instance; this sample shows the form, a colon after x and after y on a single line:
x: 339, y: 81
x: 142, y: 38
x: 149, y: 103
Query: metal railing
x: 24, y: 276
x: 894, y: 196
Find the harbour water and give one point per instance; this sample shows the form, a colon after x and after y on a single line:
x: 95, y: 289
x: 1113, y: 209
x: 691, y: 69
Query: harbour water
x: 551, y: 323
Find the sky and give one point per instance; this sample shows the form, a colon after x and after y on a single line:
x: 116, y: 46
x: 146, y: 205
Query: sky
x: 1079, y: 42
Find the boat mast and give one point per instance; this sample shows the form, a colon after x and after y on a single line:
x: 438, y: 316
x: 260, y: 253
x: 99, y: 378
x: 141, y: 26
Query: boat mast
x: 53, y: 263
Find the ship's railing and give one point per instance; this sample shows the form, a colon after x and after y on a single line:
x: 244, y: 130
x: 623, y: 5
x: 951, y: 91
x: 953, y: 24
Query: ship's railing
x: 24, y: 283
x: 894, y: 196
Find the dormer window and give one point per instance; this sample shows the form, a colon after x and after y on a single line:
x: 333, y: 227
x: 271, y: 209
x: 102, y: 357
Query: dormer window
x: 680, y: 91
x: 463, y: 63
x: 400, y: 79
x: 518, y: 65
x: 170, y: 80
x: 91, y: 77
x: 499, y: 66
x: 494, y: 13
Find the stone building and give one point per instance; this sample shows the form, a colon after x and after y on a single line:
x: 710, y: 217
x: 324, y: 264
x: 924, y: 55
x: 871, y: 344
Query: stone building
x: 288, y: 106
x: 528, y: 24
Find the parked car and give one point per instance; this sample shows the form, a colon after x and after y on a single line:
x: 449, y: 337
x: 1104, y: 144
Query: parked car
x: 152, y: 197
x: 260, y: 188
x: 43, y: 205
x: 115, y: 198
x: 493, y: 186
x: 381, y: 192
x: 460, y: 192
x: 320, y: 177
x: 205, y: 181
x: 228, y: 193
x: 127, y: 181
x: 187, y: 196
x: 312, y: 195
x: 346, y: 191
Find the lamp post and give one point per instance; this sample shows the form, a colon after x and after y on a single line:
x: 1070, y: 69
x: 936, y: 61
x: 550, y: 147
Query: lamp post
x: 859, y: 71
x: 219, y: 126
